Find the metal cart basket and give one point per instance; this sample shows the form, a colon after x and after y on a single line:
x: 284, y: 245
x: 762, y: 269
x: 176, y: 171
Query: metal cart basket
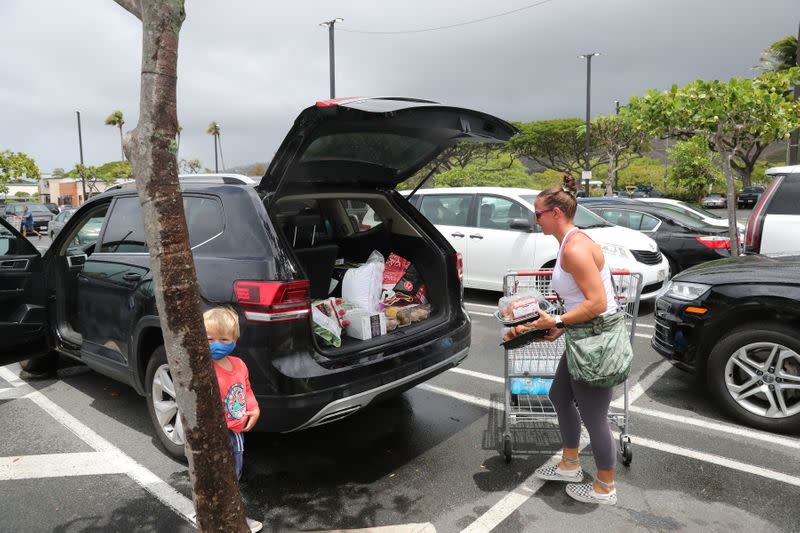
x: 529, y: 369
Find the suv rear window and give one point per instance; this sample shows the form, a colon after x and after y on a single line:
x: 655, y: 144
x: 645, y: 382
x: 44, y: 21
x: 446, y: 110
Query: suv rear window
x: 125, y: 228
x: 786, y: 200
x: 377, y: 148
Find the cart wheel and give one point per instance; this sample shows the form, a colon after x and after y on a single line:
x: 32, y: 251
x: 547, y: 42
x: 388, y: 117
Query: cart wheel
x: 627, y: 453
x: 507, y: 448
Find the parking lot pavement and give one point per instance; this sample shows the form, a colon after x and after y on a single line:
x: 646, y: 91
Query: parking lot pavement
x: 426, y: 461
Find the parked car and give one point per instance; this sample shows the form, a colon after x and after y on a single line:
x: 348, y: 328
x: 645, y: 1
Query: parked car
x: 685, y: 240
x: 750, y: 196
x: 646, y: 191
x: 57, y: 224
x: 714, y: 199
x: 606, y: 199
x: 266, y: 251
x: 494, y: 229
x: 736, y: 323
x: 707, y: 216
x: 41, y: 215
x: 774, y: 224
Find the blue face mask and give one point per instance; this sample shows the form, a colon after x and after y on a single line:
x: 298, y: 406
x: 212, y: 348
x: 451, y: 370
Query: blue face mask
x: 220, y: 349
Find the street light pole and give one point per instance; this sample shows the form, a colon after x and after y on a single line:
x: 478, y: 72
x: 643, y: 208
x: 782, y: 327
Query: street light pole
x: 80, y: 148
x: 588, y: 57
x: 331, y: 55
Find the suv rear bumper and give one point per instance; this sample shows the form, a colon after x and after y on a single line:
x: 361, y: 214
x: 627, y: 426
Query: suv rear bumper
x: 343, y: 407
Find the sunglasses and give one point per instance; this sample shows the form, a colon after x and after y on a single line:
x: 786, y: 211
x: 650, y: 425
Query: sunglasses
x: 542, y: 212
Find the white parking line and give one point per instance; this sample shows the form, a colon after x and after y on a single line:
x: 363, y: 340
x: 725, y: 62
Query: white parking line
x: 467, y: 398
x: 639, y: 388
x: 116, y: 458
x: 643, y: 335
x: 723, y: 428
x: 640, y: 325
x: 59, y: 465
x: 479, y: 375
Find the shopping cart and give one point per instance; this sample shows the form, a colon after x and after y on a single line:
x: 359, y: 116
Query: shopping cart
x: 528, y: 368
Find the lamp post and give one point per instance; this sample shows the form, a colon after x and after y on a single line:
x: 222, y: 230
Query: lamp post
x: 588, y: 57
x: 80, y: 148
x: 330, y: 24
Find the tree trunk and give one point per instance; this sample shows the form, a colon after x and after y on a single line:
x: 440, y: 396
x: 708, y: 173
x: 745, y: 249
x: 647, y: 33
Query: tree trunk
x: 221, y: 157
x: 121, y: 143
x: 733, y: 230
x: 150, y: 149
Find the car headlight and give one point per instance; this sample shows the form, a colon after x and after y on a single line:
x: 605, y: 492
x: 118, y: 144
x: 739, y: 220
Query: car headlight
x: 681, y: 290
x: 614, y: 249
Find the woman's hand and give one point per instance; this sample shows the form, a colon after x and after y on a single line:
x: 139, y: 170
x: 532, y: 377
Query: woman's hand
x: 553, y: 334
x: 544, y: 321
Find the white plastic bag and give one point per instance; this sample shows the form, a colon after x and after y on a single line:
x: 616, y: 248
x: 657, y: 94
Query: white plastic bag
x: 362, y: 286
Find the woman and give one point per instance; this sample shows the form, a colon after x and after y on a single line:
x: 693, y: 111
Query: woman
x: 582, y: 279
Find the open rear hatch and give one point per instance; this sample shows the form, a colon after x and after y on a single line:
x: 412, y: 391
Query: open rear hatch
x: 373, y: 142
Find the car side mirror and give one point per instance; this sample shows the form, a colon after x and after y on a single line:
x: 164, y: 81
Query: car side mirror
x: 521, y: 224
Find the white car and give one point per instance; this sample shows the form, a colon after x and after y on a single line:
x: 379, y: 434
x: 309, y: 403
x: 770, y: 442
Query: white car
x: 494, y: 229
x: 709, y: 218
x: 774, y: 225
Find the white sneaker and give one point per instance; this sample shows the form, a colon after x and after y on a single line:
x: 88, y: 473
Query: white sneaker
x: 584, y: 492
x: 555, y: 473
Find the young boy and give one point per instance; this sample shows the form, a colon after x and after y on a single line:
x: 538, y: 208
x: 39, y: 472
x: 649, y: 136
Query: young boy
x: 238, y: 401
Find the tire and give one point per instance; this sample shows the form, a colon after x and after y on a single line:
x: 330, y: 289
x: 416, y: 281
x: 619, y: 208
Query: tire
x: 733, y: 369
x: 166, y: 420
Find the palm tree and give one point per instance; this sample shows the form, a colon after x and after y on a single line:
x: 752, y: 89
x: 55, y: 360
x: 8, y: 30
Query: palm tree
x: 780, y: 55
x: 215, y: 130
x: 116, y: 119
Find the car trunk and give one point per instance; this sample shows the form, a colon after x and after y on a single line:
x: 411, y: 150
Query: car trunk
x: 324, y: 228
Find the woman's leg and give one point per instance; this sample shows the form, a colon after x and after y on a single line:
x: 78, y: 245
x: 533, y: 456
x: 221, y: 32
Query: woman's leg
x: 593, y: 403
x: 569, y: 421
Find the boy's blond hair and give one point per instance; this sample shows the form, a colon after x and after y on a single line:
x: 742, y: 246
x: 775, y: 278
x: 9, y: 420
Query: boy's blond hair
x: 223, y: 321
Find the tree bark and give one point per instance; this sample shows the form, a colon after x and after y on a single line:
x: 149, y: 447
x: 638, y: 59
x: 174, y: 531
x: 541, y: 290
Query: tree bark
x: 151, y: 150
x: 733, y: 229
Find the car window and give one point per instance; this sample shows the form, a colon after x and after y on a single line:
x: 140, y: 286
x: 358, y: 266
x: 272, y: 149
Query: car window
x: 203, y: 217
x: 8, y: 242
x: 786, y: 200
x: 626, y: 219
x: 648, y: 223
x: 125, y: 229
x: 446, y: 209
x: 87, y: 232
x: 497, y: 213
x: 362, y: 214
x: 376, y: 148
x: 584, y: 218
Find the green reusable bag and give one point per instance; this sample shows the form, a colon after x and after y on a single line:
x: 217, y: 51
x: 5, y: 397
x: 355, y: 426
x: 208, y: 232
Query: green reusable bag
x: 599, y: 352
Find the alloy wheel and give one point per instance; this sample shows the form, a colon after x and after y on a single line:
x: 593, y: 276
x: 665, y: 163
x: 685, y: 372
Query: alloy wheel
x: 764, y: 379
x: 165, y: 405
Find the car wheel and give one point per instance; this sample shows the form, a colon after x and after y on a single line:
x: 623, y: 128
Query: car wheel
x: 162, y: 404
x: 754, y: 374
x: 40, y: 367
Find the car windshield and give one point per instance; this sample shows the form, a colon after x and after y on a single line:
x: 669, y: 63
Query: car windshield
x: 584, y: 218
x: 33, y: 208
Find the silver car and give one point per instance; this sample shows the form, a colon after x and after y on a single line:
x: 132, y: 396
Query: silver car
x: 714, y: 200
x: 57, y: 224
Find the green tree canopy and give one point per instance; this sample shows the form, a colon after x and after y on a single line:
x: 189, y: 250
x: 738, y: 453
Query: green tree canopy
x: 737, y: 118
x: 557, y: 145
x: 780, y: 55
x: 693, y: 169
x: 15, y: 165
x: 619, y: 141
x: 497, y: 169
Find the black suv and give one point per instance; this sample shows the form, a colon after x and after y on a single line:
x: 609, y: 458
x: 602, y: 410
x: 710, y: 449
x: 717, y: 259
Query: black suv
x: 267, y: 251
x: 736, y: 322
x: 750, y: 196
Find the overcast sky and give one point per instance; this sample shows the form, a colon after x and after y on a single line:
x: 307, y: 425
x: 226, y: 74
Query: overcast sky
x: 253, y: 65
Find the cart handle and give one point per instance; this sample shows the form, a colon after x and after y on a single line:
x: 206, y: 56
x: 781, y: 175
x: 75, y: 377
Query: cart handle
x: 549, y: 273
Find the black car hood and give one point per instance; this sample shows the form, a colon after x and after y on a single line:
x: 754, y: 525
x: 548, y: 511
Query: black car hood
x: 746, y: 269
x: 373, y: 142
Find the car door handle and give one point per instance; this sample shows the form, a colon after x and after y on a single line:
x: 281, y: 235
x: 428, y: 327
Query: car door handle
x: 131, y: 276
x: 476, y: 236
x: 458, y: 234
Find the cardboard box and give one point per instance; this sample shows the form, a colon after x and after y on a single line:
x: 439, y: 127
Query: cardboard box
x: 365, y: 325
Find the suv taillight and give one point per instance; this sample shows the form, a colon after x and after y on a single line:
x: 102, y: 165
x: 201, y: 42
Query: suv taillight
x: 273, y: 301
x: 460, y: 267
x: 712, y: 241
x: 755, y: 224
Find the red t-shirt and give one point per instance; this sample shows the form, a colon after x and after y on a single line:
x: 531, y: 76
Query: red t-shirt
x: 237, y: 396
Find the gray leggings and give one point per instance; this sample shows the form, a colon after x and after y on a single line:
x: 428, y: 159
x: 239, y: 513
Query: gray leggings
x: 593, y: 405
